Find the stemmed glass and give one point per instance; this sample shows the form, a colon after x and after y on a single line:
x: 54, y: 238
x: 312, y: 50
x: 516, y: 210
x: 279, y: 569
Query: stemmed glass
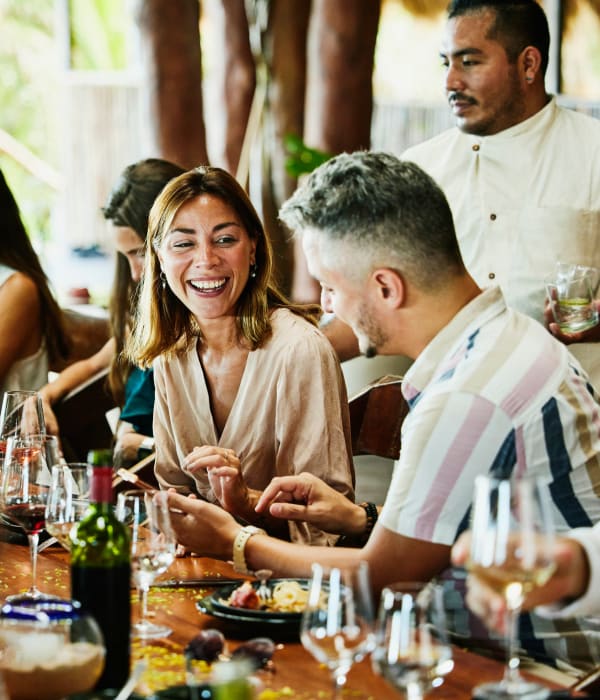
x: 512, y: 553
x: 24, y: 490
x: 68, y: 499
x: 21, y: 415
x: 412, y: 651
x: 337, y: 623
x: 153, y: 546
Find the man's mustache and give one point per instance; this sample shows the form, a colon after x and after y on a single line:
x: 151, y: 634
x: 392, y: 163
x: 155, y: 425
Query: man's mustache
x: 460, y: 97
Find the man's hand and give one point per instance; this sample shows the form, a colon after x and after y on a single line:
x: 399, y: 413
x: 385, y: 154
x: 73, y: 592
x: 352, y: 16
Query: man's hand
x: 306, y: 498
x: 569, y: 581
x: 591, y: 335
x: 201, y: 527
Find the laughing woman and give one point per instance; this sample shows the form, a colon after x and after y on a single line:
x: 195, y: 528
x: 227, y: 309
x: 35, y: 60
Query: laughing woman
x: 247, y: 388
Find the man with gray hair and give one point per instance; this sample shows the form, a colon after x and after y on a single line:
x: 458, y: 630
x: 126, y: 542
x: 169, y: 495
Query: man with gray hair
x: 490, y: 391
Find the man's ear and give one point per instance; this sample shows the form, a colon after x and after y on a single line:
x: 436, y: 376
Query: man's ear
x: 531, y: 62
x: 388, y: 286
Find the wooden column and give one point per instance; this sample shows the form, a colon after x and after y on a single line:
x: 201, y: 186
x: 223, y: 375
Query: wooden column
x: 171, y: 63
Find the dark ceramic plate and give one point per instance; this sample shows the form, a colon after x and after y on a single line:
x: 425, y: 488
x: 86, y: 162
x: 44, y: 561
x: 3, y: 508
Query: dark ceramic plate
x: 219, y: 604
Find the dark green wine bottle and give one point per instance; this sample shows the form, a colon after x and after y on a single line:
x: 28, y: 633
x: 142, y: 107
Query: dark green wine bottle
x: 100, y: 573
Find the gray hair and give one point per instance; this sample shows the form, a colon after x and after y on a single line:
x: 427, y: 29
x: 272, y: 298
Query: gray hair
x: 374, y: 210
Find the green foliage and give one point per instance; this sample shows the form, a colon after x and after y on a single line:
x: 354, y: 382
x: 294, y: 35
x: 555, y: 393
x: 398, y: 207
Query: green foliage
x: 97, y: 34
x: 302, y: 159
x: 28, y: 94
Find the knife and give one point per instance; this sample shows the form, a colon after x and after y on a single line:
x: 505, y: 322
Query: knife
x: 200, y: 582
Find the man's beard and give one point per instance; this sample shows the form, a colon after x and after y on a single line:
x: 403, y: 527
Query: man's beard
x: 370, y: 331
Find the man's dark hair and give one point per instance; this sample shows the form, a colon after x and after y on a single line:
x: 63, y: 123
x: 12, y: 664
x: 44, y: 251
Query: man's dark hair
x: 517, y: 24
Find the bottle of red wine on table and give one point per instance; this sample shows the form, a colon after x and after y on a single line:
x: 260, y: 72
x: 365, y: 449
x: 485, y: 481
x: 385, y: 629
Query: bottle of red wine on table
x: 100, y: 571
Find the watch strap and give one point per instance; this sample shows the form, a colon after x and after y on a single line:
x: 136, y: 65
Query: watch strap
x: 239, y: 547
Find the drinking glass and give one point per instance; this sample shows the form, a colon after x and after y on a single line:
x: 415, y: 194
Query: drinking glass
x: 68, y: 499
x: 153, y: 546
x: 337, y: 623
x: 512, y: 553
x: 24, y: 490
x: 571, y: 295
x: 412, y: 651
x: 21, y: 415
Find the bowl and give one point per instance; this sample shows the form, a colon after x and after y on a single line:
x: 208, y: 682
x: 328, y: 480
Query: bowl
x: 48, y: 649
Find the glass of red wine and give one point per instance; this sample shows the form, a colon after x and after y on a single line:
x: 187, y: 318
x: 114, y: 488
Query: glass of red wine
x: 24, y: 490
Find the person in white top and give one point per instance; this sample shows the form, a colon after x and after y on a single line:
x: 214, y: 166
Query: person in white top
x: 521, y: 174
x: 32, y: 330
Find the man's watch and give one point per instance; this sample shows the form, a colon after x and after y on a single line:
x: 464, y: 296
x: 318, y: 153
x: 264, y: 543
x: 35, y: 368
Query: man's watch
x: 239, y: 546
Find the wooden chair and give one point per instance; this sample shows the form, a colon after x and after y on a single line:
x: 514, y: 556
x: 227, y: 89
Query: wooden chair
x: 138, y: 476
x: 81, y: 415
x: 376, y: 415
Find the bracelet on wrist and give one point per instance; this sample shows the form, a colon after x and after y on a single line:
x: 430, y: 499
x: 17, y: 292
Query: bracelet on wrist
x: 372, y: 515
x: 359, y: 540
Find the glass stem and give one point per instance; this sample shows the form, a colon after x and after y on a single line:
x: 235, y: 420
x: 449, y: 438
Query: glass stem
x: 339, y: 681
x: 33, y: 548
x: 414, y: 691
x: 143, y: 596
x: 511, y: 671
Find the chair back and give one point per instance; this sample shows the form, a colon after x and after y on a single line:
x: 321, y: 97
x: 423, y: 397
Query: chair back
x: 376, y: 416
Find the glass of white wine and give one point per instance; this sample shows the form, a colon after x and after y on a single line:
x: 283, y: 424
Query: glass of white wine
x: 412, y: 651
x: 337, y: 623
x: 153, y: 546
x: 511, y: 552
x: 68, y: 499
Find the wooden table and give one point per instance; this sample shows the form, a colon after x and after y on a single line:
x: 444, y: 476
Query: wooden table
x: 296, y: 675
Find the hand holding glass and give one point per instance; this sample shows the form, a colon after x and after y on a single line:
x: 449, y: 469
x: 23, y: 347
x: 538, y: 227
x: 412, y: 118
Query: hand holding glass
x: 153, y: 546
x: 512, y: 553
x: 337, y: 624
x: 412, y: 651
x: 571, y: 295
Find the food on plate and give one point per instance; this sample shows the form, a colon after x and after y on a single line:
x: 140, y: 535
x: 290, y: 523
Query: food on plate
x: 245, y: 596
x: 286, y: 597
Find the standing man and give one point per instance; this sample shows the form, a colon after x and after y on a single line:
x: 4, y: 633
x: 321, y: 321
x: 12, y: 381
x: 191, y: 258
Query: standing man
x: 521, y: 174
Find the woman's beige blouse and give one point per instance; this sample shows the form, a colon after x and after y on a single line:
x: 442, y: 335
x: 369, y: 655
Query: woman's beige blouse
x: 290, y: 415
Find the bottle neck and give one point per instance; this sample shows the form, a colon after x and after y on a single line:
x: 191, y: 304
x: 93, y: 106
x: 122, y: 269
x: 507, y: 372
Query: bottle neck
x: 101, y: 491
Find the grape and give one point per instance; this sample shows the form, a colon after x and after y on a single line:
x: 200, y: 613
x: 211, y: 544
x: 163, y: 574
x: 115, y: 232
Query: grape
x: 207, y: 645
x: 258, y: 651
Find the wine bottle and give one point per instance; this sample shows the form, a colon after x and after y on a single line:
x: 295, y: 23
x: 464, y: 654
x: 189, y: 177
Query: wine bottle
x: 100, y: 573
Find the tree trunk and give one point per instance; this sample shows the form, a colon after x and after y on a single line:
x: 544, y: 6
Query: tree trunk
x: 171, y: 60
x: 339, y: 97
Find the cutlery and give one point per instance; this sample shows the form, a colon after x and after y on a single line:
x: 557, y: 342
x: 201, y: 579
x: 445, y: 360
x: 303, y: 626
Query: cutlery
x: 190, y: 583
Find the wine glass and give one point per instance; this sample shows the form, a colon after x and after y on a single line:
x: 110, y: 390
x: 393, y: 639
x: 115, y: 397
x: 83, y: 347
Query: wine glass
x: 68, y: 499
x: 337, y: 623
x: 24, y: 490
x: 412, y: 651
x: 153, y: 546
x: 21, y: 415
x: 512, y: 553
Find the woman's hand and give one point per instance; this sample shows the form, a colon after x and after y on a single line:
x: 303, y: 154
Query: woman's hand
x: 49, y: 417
x: 223, y: 468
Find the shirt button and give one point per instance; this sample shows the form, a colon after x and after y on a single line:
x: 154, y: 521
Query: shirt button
x: 492, y: 276
x: 493, y: 217
x: 475, y: 146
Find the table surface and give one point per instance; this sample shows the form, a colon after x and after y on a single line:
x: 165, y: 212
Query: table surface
x: 295, y: 674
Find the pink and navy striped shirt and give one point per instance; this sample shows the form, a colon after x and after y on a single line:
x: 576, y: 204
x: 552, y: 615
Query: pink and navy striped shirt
x: 493, y: 393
